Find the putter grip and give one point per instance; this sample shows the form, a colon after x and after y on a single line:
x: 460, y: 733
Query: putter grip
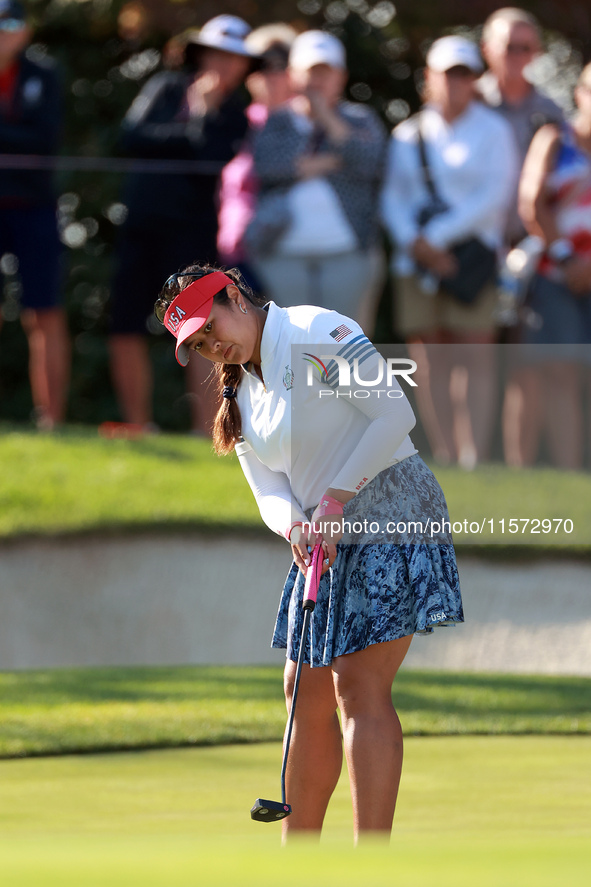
x: 313, y: 579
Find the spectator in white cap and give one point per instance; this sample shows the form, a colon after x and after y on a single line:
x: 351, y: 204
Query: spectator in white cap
x: 225, y: 33
x: 192, y: 114
x: 320, y: 162
x: 452, y: 171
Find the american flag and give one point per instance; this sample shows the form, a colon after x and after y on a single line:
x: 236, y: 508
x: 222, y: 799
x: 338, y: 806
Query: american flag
x: 340, y: 332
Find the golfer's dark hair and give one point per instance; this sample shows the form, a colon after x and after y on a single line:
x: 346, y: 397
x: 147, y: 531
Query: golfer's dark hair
x: 227, y: 427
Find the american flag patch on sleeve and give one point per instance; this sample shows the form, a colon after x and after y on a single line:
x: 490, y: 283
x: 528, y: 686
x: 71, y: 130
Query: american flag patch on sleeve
x: 341, y: 332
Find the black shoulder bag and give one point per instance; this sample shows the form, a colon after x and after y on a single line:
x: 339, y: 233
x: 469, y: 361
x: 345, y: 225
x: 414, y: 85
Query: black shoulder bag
x: 477, y: 263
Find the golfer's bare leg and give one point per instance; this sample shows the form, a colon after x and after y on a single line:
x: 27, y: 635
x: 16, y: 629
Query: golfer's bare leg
x: 371, y: 730
x: 315, y: 753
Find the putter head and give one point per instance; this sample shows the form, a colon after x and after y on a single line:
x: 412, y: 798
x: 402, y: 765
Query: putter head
x: 269, y: 811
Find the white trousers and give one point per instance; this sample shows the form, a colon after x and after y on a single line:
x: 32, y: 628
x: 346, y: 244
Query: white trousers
x: 350, y: 283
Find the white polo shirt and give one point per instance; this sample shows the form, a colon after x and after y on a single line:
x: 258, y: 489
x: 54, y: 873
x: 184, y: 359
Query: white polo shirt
x: 475, y: 166
x: 303, y: 430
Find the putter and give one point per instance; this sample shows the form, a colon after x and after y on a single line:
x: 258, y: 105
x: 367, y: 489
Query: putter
x: 272, y: 811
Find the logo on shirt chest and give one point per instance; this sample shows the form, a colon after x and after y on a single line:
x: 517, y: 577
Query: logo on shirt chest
x: 288, y: 378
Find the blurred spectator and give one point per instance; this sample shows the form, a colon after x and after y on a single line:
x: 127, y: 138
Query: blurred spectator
x: 132, y: 49
x: 30, y: 123
x: 473, y: 186
x: 555, y: 201
x: 314, y: 238
x: 269, y: 87
x: 511, y: 40
x: 190, y: 114
x: 133, y: 23
x: 174, y: 51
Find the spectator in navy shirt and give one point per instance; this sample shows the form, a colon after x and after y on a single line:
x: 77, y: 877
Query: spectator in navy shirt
x: 191, y: 114
x: 30, y: 123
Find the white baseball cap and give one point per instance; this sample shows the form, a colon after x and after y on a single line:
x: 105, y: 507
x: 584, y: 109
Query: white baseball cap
x: 317, y: 48
x: 225, y: 32
x: 451, y: 52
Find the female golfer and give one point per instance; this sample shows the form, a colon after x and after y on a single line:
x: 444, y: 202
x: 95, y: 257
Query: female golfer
x: 316, y: 441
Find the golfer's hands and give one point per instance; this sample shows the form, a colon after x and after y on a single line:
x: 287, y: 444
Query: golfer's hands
x: 441, y: 262
x: 302, y: 545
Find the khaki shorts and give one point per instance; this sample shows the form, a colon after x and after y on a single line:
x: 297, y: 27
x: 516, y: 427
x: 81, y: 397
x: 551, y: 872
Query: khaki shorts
x: 416, y: 312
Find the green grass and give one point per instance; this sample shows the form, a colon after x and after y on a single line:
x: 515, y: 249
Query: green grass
x: 100, y: 709
x: 75, y: 482
x: 511, y: 811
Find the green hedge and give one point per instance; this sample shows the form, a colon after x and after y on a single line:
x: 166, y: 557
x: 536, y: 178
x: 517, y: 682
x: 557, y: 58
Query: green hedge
x: 384, y: 42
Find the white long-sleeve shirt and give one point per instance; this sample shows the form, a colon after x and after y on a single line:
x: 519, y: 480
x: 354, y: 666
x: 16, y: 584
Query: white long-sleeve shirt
x: 303, y: 430
x: 474, y: 163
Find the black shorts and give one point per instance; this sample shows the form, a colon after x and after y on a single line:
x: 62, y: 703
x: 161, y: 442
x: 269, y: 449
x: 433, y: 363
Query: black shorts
x: 30, y: 233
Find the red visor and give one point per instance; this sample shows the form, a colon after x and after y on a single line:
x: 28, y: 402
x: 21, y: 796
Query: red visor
x: 191, y: 308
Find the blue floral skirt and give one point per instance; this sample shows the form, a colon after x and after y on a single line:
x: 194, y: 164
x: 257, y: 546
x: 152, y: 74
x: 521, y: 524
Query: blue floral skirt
x: 395, y: 573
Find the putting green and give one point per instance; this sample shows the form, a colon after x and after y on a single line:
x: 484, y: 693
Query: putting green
x: 473, y: 810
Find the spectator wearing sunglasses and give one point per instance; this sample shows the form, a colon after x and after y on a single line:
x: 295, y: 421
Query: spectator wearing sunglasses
x: 511, y: 40
x: 30, y: 123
